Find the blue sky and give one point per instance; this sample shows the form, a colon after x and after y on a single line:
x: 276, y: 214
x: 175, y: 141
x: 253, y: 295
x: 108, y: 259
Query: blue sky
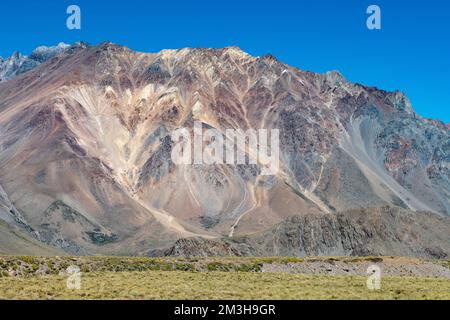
x: 410, y: 53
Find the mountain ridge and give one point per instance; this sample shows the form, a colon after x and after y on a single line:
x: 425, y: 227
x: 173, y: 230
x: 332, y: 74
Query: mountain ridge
x: 95, y: 137
x: 52, y: 51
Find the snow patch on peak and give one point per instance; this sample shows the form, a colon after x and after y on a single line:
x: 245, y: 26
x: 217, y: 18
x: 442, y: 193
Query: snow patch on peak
x: 19, y: 63
x: 60, y: 46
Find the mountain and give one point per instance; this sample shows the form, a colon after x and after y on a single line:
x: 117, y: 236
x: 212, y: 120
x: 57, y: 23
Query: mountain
x: 18, y: 63
x: 86, y: 166
x: 358, y: 232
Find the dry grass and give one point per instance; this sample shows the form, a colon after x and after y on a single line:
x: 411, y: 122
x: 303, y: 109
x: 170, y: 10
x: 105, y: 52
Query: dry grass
x: 203, y: 278
x: 32, y: 265
x: 219, y: 285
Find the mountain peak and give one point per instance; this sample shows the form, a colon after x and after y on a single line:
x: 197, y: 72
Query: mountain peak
x: 335, y: 77
x: 43, y: 49
x: 233, y: 48
x: 18, y: 63
x: 16, y: 55
x: 269, y: 57
x: 236, y: 52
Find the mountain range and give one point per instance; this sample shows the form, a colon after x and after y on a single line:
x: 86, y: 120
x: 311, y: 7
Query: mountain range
x: 86, y: 168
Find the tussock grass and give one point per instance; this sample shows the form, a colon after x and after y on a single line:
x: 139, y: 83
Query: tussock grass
x: 203, y: 278
x: 220, y: 285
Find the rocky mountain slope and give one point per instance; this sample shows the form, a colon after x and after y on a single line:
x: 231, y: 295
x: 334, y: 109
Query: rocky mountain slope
x: 18, y: 63
x: 358, y: 232
x: 85, y: 157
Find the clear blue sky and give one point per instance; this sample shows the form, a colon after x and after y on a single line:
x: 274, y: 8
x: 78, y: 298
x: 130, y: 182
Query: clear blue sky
x: 411, y: 53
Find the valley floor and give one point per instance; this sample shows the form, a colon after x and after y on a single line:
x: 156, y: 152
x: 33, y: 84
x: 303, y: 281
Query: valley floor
x: 220, y: 278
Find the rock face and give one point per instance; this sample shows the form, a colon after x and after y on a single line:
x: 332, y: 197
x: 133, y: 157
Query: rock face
x: 200, y: 247
x: 359, y: 232
x: 18, y: 63
x: 85, y: 157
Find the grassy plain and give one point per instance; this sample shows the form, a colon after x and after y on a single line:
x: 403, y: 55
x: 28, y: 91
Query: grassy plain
x: 142, y: 278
